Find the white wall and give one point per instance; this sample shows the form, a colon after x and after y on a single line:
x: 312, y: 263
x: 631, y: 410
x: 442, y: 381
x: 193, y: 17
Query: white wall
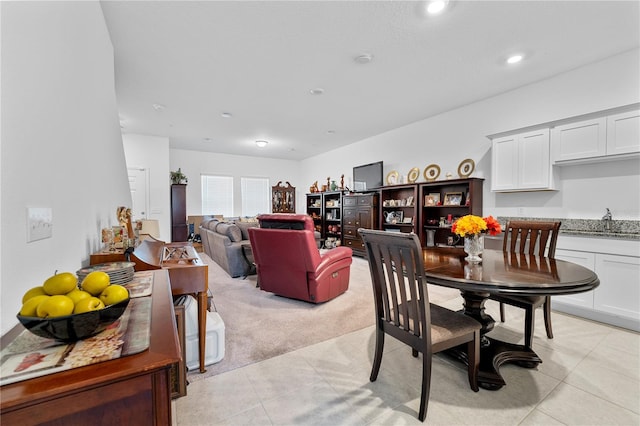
x: 61, y: 143
x: 449, y: 138
x: 194, y: 164
x: 152, y: 153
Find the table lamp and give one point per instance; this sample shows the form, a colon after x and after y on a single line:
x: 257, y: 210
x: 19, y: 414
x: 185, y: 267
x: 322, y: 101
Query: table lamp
x: 150, y: 227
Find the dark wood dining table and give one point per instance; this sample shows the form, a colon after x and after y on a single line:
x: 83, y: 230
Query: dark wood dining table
x: 502, y: 273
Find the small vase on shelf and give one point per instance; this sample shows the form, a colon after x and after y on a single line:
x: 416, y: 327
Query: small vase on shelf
x: 473, y: 246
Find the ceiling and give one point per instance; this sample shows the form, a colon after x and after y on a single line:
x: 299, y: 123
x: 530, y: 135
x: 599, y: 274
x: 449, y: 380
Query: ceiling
x: 260, y: 60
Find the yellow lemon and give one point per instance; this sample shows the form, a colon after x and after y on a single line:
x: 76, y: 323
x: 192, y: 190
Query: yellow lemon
x: 77, y: 295
x: 55, y: 306
x: 35, y: 291
x: 61, y: 283
x: 86, y: 305
x: 113, y: 294
x: 30, y: 307
x: 95, y: 282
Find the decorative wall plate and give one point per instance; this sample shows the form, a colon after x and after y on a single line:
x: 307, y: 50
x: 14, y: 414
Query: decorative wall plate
x: 392, y: 177
x: 413, y: 175
x: 466, y: 167
x: 431, y: 172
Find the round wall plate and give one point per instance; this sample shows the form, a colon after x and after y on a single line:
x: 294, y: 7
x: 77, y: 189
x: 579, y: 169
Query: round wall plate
x: 392, y: 177
x: 431, y: 172
x: 466, y: 167
x: 413, y: 175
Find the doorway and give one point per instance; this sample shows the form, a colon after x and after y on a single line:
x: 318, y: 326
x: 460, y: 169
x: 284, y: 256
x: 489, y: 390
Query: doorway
x: 139, y: 187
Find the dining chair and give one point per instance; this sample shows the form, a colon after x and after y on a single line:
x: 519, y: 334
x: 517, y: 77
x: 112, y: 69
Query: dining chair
x: 403, y: 310
x: 537, y: 238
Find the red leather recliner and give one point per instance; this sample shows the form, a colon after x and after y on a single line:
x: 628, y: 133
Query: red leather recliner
x: 289, y: 264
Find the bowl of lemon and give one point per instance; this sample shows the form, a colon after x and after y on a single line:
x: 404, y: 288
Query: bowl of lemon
x: 64, y: 309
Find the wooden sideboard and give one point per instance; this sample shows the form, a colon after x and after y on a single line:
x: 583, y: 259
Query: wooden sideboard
x: 134, y: 389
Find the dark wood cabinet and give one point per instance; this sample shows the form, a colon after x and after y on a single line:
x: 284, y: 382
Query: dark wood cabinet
x: 358, y: 211
x: 179, y: 225
x: 283, y: 198
x: 332, y: 223
x: 464, y: 197
x: 399, y: 211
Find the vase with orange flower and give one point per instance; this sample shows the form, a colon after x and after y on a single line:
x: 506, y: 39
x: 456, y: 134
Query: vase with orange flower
x: 472, y: 228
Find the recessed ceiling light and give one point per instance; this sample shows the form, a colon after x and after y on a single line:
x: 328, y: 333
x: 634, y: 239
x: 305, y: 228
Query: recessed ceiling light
x: 317, y: 91
x: 207, y: 139
x: 436, y: 6
x: 514, y: 59
x: 226, y: 115
x: 331, y: 132
x: 261, y: 144
x: 158, y: 107
x: 365, y: 58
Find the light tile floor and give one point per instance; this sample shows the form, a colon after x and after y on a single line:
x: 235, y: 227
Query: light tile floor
x: 590, y: 375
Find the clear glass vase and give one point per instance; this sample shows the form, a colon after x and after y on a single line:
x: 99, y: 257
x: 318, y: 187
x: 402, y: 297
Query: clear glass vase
x: 473, y: 246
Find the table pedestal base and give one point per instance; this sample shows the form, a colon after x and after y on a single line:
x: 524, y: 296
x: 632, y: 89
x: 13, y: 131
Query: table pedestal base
x: 493, y: 352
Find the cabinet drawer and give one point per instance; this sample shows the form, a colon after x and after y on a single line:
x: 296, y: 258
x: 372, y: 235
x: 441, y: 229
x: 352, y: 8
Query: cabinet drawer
x: 354, y: 243
x: 350, y: 232
x: 350, y: 201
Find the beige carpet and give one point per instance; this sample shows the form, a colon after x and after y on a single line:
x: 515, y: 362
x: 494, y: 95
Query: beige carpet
x: 260, y: 325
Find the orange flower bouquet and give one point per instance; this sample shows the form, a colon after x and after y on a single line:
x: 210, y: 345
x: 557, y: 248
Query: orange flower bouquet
x: 470, y: 225
x: 472, y: 228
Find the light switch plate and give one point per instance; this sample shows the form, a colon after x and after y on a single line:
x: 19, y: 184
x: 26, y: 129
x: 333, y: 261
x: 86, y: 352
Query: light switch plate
x: 39, y: 223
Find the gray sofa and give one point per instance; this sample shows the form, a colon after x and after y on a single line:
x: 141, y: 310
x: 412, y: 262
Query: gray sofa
x: 223, y: 241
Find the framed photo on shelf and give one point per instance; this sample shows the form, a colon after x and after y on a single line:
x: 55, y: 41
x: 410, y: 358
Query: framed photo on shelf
x: 407, y: 220
x: 393, y: 217
x: 452, y: 199
x: 432, y: 199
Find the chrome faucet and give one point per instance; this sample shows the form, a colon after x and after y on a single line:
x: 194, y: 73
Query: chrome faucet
x: 607, y: 218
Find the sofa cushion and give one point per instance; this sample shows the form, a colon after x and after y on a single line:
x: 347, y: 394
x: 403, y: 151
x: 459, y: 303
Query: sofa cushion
x: 209, y: 224
x: 231, y: 230
x: 244, y: 228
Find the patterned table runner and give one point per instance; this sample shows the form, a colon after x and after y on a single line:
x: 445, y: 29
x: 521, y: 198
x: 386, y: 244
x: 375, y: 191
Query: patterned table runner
x: 30, y: 356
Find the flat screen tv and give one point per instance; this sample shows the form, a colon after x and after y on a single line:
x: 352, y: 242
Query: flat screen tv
x: 367, y: 176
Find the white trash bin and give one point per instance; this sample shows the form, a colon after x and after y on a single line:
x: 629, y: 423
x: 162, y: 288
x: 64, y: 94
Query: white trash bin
x: 214, y: 346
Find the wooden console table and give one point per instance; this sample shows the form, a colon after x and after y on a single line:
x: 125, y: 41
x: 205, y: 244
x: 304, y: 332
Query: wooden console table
x: 189, y: 275
x: 134, y: 389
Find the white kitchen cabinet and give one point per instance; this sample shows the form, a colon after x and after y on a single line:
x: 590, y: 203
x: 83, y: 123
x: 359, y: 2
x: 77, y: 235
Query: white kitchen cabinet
x: 623, y: 133
x: 582, y: 139
x: 588, y: 260
x: 521, y: 162
x: 616, y: 300
x: 597, y: 139
x: 619, y: 290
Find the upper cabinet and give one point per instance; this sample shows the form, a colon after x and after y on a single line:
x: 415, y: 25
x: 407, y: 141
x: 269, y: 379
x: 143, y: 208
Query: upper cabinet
x: 521, y: 162
x: 597, y: 139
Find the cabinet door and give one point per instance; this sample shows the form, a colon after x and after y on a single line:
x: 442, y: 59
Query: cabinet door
x: 588, y: 260
x: 504, y: 169
x: 534, y: 160
x: 623, y: 133
x: 619, y: 290
x: 583, y: 139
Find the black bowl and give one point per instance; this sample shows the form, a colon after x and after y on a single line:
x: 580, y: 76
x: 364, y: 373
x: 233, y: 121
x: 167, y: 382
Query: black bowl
x: 70, y: 328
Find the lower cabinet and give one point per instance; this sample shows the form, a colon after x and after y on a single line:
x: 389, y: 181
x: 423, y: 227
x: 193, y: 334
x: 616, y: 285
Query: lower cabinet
x: 359, y: 211
x: 616, y: 300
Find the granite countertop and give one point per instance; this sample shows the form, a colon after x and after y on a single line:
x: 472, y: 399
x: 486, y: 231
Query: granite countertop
x: 620, y: 229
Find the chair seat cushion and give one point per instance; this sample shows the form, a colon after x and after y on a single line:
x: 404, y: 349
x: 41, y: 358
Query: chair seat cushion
x: 447, y: 324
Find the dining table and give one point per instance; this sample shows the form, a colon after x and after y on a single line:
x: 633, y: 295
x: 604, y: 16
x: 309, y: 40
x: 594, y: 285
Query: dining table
x: 502, y: 273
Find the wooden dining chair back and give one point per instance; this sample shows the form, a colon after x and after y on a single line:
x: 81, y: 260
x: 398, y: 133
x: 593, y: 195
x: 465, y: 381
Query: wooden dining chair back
x: 403, y: 310
x: 536, y: 238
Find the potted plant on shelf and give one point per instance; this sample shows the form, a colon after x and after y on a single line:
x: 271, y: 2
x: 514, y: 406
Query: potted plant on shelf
x: 178, y: 177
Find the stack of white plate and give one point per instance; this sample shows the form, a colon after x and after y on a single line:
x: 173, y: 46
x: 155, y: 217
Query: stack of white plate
x: 119, y: 272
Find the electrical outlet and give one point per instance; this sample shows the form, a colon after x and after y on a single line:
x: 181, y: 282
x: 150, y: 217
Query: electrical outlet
x: 39, y: 223
x: 520, y: 211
